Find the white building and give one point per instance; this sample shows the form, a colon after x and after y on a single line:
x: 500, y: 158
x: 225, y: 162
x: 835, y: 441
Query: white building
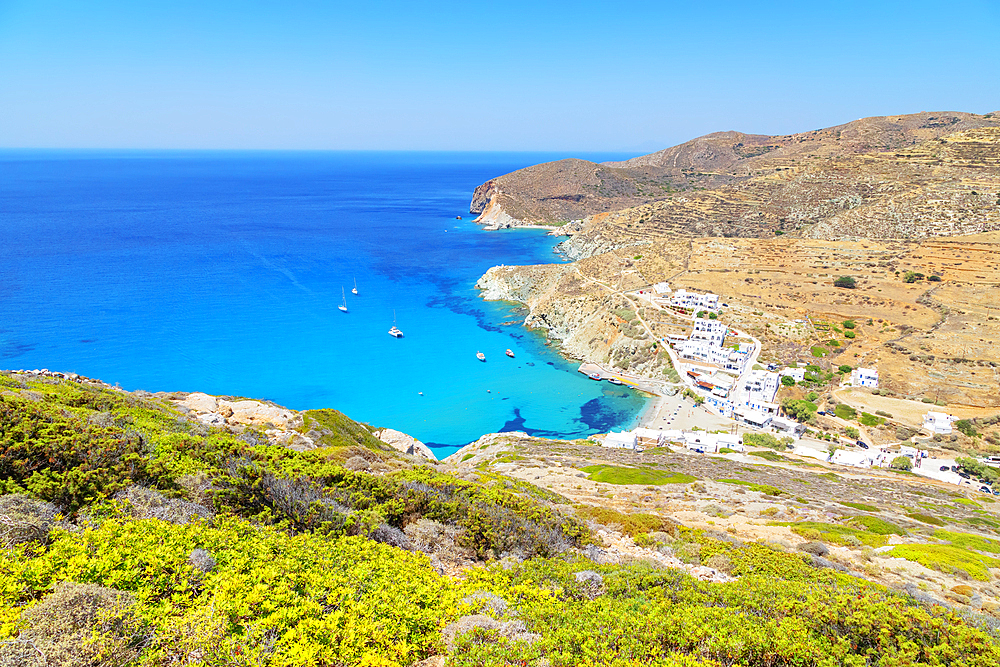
x: 647, y: 437
x: 787, y: 426
x: 938, y: 422
x: 853, y: 458
x: 864, y: 377
x: 711, y: 443
x: 752, y: 418
x: 797, y: 374
x: 623, y: 440
x: 661, y: 288
x: 712, y: 331
x: 692, y: 300
x: 760, y: 388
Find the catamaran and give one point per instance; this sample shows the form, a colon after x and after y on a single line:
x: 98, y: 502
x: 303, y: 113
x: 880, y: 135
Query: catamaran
x: 355, y: 290
x: 394, y: 332
x: 343, y: 306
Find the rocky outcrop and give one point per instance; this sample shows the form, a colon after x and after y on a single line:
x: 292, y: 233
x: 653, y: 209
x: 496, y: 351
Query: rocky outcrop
x: 578, y: 314
x: 405, y: 443
x: 278, y: 423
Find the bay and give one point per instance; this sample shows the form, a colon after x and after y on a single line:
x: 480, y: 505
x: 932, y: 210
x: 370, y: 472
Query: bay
x: 222, y: 272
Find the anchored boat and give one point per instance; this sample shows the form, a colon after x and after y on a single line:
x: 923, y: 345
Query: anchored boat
x: 480, y: 356
x: 394, y: 332
x: 343, y: 306
x: 509, y: 353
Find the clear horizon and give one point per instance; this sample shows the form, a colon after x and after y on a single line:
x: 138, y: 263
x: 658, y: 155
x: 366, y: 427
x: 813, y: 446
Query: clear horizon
x: 548, y: 77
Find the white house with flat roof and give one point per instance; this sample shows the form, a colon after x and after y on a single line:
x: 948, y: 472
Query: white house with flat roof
x: 712, y: 331
x: 797, y: 374
x: 938, y: 422
x: 662, y: 288
x: 623, y: 440
x: 853, y: 458
x: 694, y: 301
x: 759, y: 388
x: 864, y: 377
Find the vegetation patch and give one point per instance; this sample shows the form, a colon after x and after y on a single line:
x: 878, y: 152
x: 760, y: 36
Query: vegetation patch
x: 874, y: 524
x: 769, y: 456
x: 621, y: 475
x: 925, y: 518
x: 844, y: 411
x: 966, y: 541
x: 859, y: 506
x: 766, y: 489
x: 835, y: 533
x: 631, y: 524
x: 948, y: 559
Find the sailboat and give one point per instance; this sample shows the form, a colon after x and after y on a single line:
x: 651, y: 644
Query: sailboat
x: 394, y: 332
x: 355, y: 290
x: 343, y: 306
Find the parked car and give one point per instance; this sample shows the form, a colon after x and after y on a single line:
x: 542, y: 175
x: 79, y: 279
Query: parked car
x: 954, y: 468
x: 996, y: 492
x: 821, y: 412
x: 965, y: 475
x: 862, y: 445
x: 985, y: 489
x: 945, y: 469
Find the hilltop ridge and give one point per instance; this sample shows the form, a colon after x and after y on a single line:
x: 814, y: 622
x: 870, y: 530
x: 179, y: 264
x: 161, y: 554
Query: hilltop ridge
x: 907, y: 176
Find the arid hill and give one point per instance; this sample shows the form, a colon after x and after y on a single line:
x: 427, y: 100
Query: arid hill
x: 893, y: 177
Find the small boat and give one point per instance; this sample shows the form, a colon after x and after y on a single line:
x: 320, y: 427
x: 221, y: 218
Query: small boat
x: 355, y: 290
x: 509, y: 353
x: 594, y: 376
x: 480, y: 356
x: 394, y: 332
x: 343, y: 306
x: 614, y: 381
x: 458, y: 217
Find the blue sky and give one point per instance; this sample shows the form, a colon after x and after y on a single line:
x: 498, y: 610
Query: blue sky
x: 560, y: 76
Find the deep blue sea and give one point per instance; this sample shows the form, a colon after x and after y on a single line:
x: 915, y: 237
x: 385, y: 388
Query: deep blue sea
x: 222, y: 272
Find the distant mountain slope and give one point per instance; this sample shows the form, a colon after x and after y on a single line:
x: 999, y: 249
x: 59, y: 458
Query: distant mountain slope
x: 906, y: 176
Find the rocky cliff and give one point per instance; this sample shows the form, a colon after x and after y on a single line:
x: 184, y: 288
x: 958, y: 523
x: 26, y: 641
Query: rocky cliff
x: 587, y: 319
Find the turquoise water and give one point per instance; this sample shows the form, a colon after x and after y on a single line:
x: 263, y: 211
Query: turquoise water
x: 222, y: 272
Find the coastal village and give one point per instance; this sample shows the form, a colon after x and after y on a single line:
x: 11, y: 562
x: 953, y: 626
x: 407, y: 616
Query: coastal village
x: 727, y: 395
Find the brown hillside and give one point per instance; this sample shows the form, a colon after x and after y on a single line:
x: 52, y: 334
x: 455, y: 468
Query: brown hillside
x: 898, y: 177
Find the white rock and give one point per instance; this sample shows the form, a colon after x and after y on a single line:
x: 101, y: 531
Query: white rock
x: 405, y: 443
x: 199, y: 402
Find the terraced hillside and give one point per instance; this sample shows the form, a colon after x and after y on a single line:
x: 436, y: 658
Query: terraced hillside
x: 927, y: 174
x: 932, y: 337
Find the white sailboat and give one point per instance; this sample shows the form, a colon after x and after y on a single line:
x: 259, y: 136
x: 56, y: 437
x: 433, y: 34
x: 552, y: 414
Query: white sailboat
x: 394, y: 332
x: 343, y: 306
x: 355, y: 290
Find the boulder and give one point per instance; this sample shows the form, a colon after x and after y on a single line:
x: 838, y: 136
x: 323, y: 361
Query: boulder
x: 405, y: 443
x: 199, y: 402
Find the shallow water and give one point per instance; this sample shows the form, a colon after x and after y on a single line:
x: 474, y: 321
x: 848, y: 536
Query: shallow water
x: 222, y: 273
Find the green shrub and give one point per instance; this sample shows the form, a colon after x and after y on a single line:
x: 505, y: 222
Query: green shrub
x: 901, y: 463
x: 848, y: 324
x: 967, y: 427
x: 762, y: 440
x: 947, y: 558
x: 966, y: 541
x: 766, y: 489
x: 876, y: 525
x: 788, y: 380
x: 837, y: 534
x: 631, y: 524
x: 846, y: 282
x: 850, y: 335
